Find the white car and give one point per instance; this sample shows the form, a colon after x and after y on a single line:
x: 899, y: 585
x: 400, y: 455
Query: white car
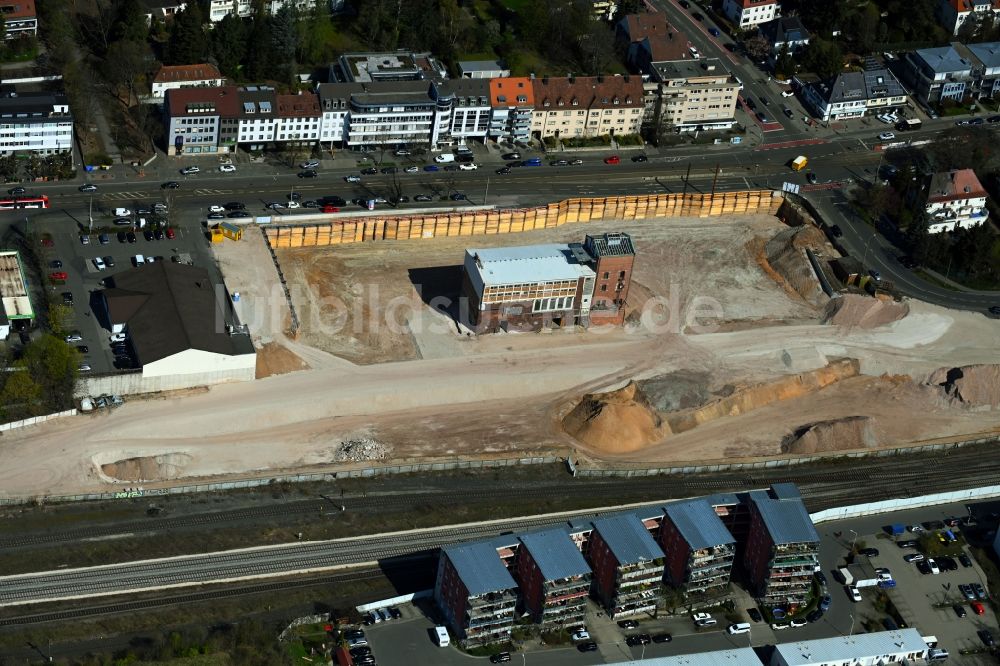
x: 853, y: 593
x: 468, y: 166
x: 190, y: 170
x: 933, y: 565
x: 216, y: 209
x: 581, y: 635
x: 293, y: 204
x: 122, y: 212
x: 796, y: 622
x: 117, y: 337
x: 74, y: 337
x: 883, y: 117
x: 886, y: 136
x: 352, y: 179
x: 311, y: 164
x: 411, y: 169
x: 99, y: 264
x: 227, y: 168
x: 739, y: 628
x: 778, y: 626
x: 787, y: 93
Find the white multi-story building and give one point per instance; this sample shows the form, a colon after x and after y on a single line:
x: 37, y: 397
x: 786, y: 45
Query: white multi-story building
x: 19, y: 18
x: 35, y: 122
x: 194, y: 119
x: 257, y: 117
x: 185, y: 76
x: 852, y: 94
x: 955, y: 199
x: 748, y: 13
x: 219, y: 9
x: 334, y: 103
x: 512, y: 101
x: 695, y: 94
x: 392, y: 113
x: 299, y: 119
x: 464, y: 110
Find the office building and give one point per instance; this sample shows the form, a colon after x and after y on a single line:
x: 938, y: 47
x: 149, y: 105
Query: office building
x: 38, y: 123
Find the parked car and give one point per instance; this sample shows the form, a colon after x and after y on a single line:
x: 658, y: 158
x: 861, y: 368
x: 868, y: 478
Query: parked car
x: 869, y: 552
x: 977, y: 608
x: 986, y: 637
x: 852, y: 593
x: 88, y: 187
x: 389, y: 170
x: 412, y: 169
x: 589, y: 646
x: 980, y: 592
x: 811, y: 178
x: 234, y: 205
x: 923, y: 567
x: 74, y: 336
x: 458, y: 196
x: 581, y: 635
x: 815, y: 615
x: 959, y: 610
x: 947, y: 564
x: 227, y: 168
x: 189, y: 170
x: 423, y: 197
x: 216, y: 216
x: 170, y: 185
x: 932, y: 565
x: 824, y: 602
x: 913, y: 557
x: 965, y: 560
x: 755, y: 615
x: 309, y: 164
x: 67, y: 298
x: 638, y: 639
x: 469, y: 166
x: 886, y: 136
x: 614, y: 159
x: 503, y: 171
x: 369, y: 171
x: 662, y: 638
x: 58, y: 276
x: 628, y: 624
x: 714, y: 32
x: 500, y: 658
x: 907, y: 543
x: 797, y: 622
x: 432, y: 167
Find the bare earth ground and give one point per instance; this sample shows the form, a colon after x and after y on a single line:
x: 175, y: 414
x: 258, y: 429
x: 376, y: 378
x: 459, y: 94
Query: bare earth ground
x: 464, y: 397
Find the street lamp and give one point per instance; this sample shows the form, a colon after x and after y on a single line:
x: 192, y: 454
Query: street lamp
x: 90, y: 215
x: 864, y: 259
x: 854, y: 540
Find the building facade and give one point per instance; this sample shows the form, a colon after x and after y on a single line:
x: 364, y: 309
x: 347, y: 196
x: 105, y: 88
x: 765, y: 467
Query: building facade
x: 955, y: 199
x: 475, y: 593
x: 512, y: 101
x: 38, y: 123
x: 388, y: 114
x: 585, y: 106
x: 785, y: 32
x: 953, y: 14
x: 194, y: 115
x: 185, y: 76
x: 20, y: 18
x: 903, y: 646
x: 853, y: 94
x: 748, y: 13
x: 699, y: 549
x: 162, y: 9
x: 695, y: 94
x: 782, y: 550
x: 612, y: 258
x: 463, y: 110
x: 553, y: 578
x: 627, y: 565
x: 938, y: 74
x: 299, y: 119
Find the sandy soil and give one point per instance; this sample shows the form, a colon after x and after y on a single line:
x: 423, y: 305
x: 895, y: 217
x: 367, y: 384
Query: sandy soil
x: 505, y: 393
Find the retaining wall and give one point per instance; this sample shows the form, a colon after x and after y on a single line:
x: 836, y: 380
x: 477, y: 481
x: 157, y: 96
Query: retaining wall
x: 35, y: 419
x: 513, y: 220
x: 888, y: 506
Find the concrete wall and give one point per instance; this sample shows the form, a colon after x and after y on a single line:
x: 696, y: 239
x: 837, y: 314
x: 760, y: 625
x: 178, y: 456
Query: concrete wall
x: 512, y: 220
x: 131, y: 383
x: 35, y: 419
x: 198, y: 362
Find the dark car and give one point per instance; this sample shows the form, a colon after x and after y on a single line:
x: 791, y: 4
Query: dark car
x: 16, y: 191
x: 361, y: 652
x: 824, y: 602
x: 965, y: 560
x: 959, y: 610
x: 765, y: 101
x: 452, y: 167
x: 67, y: 297
x: 503, y: 171
x: 923, y: 567
x: 395, y: 612
x: 685, y: 4
x: 820, y: 578
x: 559, y: 163
x: 423, y: 197
x: 402, y: 198
x: 432, y: 167
x: 458, y: 196
x: 234, y: 205
x: 993, y: 119
x: 109, y: 262
x: 147, y: 234
x: 811, y: 178
x: 121, y: 237
x: 293, y: 196
x: 589, y: 646
x: 977, y: 121
x: 714, y: 32
x: 755, y: 615
x: 697, y: 16
x: 869, y: 552
x: 238, y: 214
x: 907, y: 543
x: 986, y: 637
x: 761, y: 116
x: 815, y: 616
x: 170, y: 185
x: 628, y: 624
x: 103, y: 239
x: 639, y: 639
x: 908, y: 261
x: 500, y: 657
x: 369, y: 171
x: 662, y: 638
x: 83, y: 349
x: 640, y: 158
x: 465, y: 158
x: 158, y: 234
x: 750, y: 104
x: 388, y: 170
x: 334, y: 201
x: 512, y: 156
x: 308, y: 173
x: 55, y: 263
x: 130, y: 237
x: 946, y: 564
x: 310, y: 204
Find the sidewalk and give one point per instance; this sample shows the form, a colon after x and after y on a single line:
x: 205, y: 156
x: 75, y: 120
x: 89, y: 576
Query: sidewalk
x: 956, y: 285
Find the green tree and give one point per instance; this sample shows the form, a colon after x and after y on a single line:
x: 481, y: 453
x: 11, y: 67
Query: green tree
x: 284, y: 42
x: 317, y: 35
x: 864, y: 26
x: 188, y: 40
x: 823, y: 57
x: 130, y: 23
x: 229, y: 45
x: 784, y: 66
x: 259, y: 62
x: 52, y: 366
x: 21, y: 396
x: 60, y: 318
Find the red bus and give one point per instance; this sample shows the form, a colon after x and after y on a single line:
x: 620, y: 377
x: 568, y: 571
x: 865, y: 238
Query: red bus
x: 16, y: 203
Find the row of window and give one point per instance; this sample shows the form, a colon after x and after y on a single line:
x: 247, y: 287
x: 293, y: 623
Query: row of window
x: 552, y: 304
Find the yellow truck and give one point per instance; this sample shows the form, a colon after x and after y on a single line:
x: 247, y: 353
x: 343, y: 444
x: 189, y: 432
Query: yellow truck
x: 800, y: 163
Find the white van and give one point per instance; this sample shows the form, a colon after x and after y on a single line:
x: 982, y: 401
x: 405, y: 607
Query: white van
x: 122, y: 212
x: 444, y: 158
x: 937, y: 654
x: 739, y: 628
x: 441, y: 637
x: 139, y: 260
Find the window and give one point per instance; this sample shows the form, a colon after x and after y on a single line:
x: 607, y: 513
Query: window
x: 621, y: 275
x: 604, y: 287
x: 606, y: 275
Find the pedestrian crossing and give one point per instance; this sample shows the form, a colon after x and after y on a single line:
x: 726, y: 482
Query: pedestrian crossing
x: 137, y: 195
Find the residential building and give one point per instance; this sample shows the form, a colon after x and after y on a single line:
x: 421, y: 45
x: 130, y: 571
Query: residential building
x: 955, y: 199
x: 748, y: 13
x: 400, y: 65
x: 38, y: 123
x: 782, y: 550
x: 785, y: 31
x: 299, y: 118
x: 335, y: 103
x: 193, y: 118
x: 649, y: 38
x: 219, y: 9
x: 256, y: 122
x: 553, y: 578
x: 512, y: 101
x: 19, y: 18
x: 185, y: 76
x: 604, y: 10
x: 696, y: 94
x: 463, y: 110
x: 699, y: 550
x: 627, y: 566
x: 392, y: 113
x: 954, y: 13
x: 583, y: 106
x: 162, y: 9
x: 181, y: 332
x: 475, y: 593
x: 853, y: 94
x: 903, y: 646
x: 15, y: 302
x: 482, y: 69
x: 938, y: 74
x: 985, y: 59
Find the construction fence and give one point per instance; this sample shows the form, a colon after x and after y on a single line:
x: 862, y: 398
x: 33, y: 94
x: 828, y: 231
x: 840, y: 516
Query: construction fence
x: 513, y: 220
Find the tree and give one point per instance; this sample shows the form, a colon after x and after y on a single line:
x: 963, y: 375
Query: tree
x: 60, y: 318
x: 130, y: 22
x: 258, y: 60
x: 784, y: 66
x: 284, y: 42
x: 20, y: 397
x: 317, y: 35
x: 864, y: 26
x: 823, y: 57
x: 188, y: 40
x: 757, y: 47
x: 125, y: 65
x: 52, y: 365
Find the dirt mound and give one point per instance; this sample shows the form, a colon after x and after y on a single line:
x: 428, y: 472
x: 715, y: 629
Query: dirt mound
x: 148, y: 468
x: 683, y: 389
x: 857, y: 310
x: 852, y: 432
x: 975, y: 385
x: 783, y: 257
x: 616, y: 422
x: 276, y: 359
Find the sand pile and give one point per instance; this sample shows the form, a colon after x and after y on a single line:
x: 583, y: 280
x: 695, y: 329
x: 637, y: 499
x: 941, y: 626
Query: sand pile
x: 616, y: 422
x: 975, y: 385
x: 148, y: 468
x: 784, y: 259
x: 857, y: 310
x: 682, y: 389
x: 852, y: 432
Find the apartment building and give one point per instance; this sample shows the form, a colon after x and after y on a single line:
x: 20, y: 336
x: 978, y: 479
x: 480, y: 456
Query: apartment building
x: 699, y: 549
x: 392, y: 113
x: 985, y: 60
x: 475, y: 593
x: 604, y: 10
x: 19, y: 18
x: 748, y: 13
x: 162, y: 9
x: 938, y: 74
x: 553, y: 577
x: 782, y: 550
x: 696, y: 94
x: 853, y: 94
x: 170, y: 77
x: 955, y: 199
x: 463, y: 110
x: 39, y: 123
x: 954, y: 13
x: 193, y: 118
x: 299, y: 118
x: 512, y: 101
x: 482, y: 69
x: 386, y: 66
x: 585, y: 106
x: 335, y: 104
x: 257, y: 119
x: 219, y: 9
x: 627, y: 565
x: 785, y: 32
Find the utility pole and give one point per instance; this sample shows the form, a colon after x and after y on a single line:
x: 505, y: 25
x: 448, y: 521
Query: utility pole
x: 487, y: 193
x: 90, y: 215
x: 687, y: 177
x: 715, y: 179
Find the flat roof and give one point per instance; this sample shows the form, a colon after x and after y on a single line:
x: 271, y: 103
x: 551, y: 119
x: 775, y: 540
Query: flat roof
x: 848, y: 649
x: 480, y: 65
x: 743, y: 656
x: 555, y: 554
x: 528, y: 263
x: 479, y: 567
x: 13, y: 291
x: 698, y: 523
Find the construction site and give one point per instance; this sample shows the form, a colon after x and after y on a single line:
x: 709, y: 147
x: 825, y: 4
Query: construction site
x: 731, y: 350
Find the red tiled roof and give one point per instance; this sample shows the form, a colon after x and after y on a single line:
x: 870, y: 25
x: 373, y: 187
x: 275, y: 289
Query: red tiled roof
x: 183, y: 73
x: 966, y: 5
x: 305, y: 105
x: 952, y: 185
x: 589, y: 92
x: 758, y: 3
x: 661, y: 50
x: 510, y: 88
x: 642, y: 25
x: 21, y: 9
x: 225, y: 100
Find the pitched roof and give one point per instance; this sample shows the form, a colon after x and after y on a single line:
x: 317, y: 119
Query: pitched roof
x: 304, y: 105
x: 987, y: 52
x: 784, y: 29
x: 505, y: 92
x: 955, y: 186
x: 663, y: 49
x: 785, y: 517
x: 698, y: 523
x: 210, y: 100
x: 588, y: 92
x: 555, y: 554
x: 648, y: 23
x: 628, y: 539
x: 479, y: 567
x: 184, y: 73
x: 480, y: 65
x: 170, y: 308
x: 747, y: 4
x: 943, y: 59
x: 967, y: 5
x: 20, y: 9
